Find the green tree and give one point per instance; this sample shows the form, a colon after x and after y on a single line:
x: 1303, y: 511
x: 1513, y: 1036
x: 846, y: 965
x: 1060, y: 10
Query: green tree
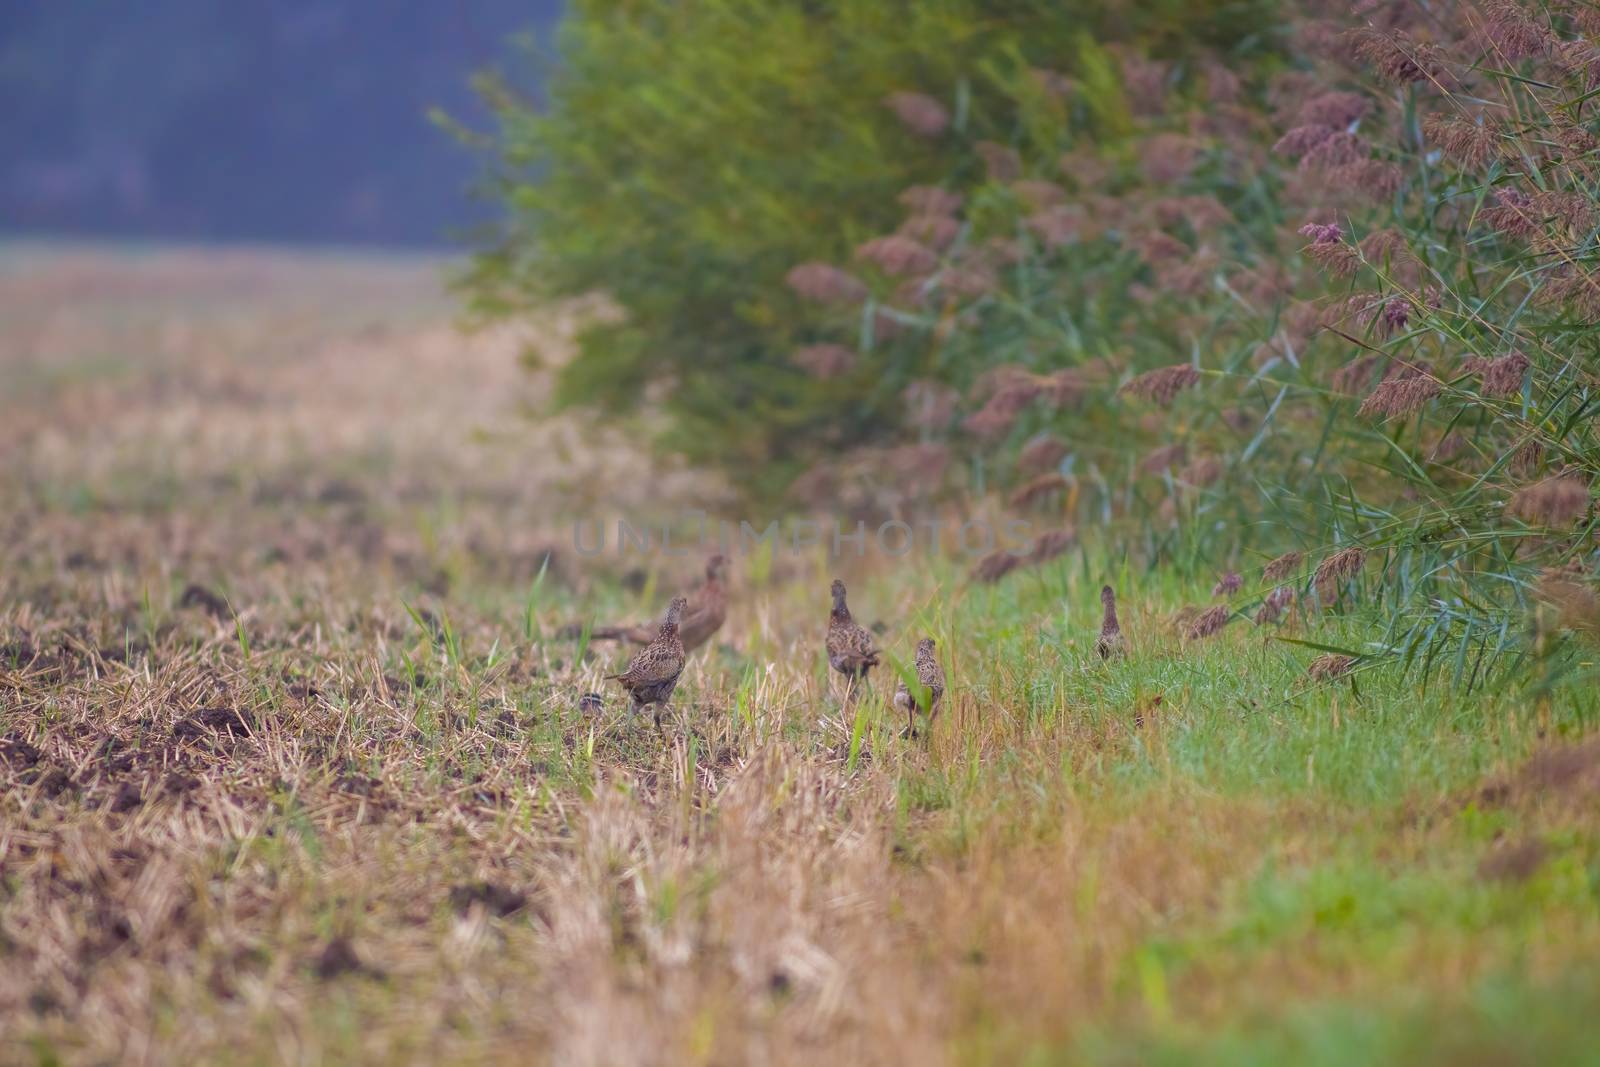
x: 690, y: 154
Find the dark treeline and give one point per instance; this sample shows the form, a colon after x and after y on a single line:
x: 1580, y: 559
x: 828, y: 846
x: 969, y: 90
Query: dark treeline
x: 282, y: 120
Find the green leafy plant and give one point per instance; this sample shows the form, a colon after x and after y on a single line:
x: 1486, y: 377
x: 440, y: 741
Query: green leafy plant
x: 690, y: 156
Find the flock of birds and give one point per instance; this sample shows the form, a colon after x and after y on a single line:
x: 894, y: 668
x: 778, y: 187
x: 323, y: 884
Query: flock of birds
x: 652, y: 674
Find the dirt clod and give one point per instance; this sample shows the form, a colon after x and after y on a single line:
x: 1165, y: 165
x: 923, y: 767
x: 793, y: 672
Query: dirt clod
x: 211, y: 720
x: 1516, y: 862
x: 495, y: 898
x: 199, y: 597
x: 338, y: 958
x: 128, y: 798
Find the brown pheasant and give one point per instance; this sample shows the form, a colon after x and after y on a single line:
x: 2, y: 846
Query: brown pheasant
x: 931, y: 677
x: 653, y: 672
x: 1110, y: 643
x: 851, y: 651
x: 706, y: 610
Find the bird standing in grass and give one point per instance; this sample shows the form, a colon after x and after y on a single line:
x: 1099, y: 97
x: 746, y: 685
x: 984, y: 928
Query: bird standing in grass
x: 931, y: 677
x: 653, y: 672
x: 703, y: 614
x: 1110, y: 643
x: 851, y: 651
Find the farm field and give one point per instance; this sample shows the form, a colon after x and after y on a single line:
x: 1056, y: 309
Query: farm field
x: 295, y: 763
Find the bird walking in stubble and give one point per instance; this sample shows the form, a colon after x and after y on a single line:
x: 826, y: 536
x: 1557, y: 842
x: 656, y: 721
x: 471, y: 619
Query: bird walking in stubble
x: 653, y: 672
x: 703, y: 614
x: 931, y: 677
x: 1110, y: 643
x: 851, y: 650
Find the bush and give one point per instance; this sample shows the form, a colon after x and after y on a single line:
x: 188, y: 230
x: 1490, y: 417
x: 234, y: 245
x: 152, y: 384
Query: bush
x: 1418, y: 427
x: 692, y: 154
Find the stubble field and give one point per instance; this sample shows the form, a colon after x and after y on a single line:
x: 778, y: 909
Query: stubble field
x: 293, y: 766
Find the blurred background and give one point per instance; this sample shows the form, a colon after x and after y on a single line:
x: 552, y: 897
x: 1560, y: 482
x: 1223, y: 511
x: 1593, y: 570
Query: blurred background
x: 299, y: 121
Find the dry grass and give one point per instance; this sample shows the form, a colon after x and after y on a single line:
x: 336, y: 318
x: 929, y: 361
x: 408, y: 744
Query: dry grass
x: 289, y: 821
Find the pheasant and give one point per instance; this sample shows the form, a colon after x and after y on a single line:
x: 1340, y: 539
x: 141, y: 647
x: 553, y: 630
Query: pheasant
x: 703, y: 616
x: 653, y: 672
x: 1110, y: 643
x: 931, y: 677
x: 850, y: 648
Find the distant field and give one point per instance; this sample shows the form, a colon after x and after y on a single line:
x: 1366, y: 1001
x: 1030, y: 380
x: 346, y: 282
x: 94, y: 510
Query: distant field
x: 293, y: 768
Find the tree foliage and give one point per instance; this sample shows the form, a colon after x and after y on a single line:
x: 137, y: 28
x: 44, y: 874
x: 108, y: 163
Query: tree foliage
x: 692, y: 154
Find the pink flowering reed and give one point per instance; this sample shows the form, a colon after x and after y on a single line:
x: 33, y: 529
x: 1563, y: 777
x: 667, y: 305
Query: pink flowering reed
x: 1227, y: 585
x: 1560, y: 500
x: 1202, y: 213
x: 915, y: 470
x: 1168, y: 157
x: 1501, y: 376
x: 1372, y: 179
x: 1570, y: 208
x: 885, y: 325
x: 1036, y: 489
x: 1038, y: 194
x: 1527, y: 459
x: 1328, y: 667
x: 1053, y: 83
x: 1264, y: 284
x: 1472, y: 144
x: 1448, y: 448
x: 1274, y: 604
x: 1056, y: 227
x: 1574, y: 288
x: 1209, y: 622
x: 1568, y: 590
x: 1190, y: 277
x: 919, y: 113
x: 1328, y: 251
x: 966, y: 282
x: 1050, y: 544
x: 1237, y: 419
x: 1203, y: 471
x: 1042, y: 452
x: 1301, y: 140
x: 1063, y: 388
x: 1335, y: 151
x: 1145, y: 82
x: 898, y: 255
x: 936, y: 232
x: 995, y: 566
x: 1163, y: 458
x: 1353, y: 377
x: 1002, y: 162
x: 1334, y: 571
x: 1001, y: 411
x: 823, y: 283
x: 930, y: 200
x: 825, y: 361
x: 1163, y: 384
x: 929, y: 405
x: 1399, y: 396
x: 1387, y: 249
x: 1512, y: 213
x: 1086, y: 170
x: 1157, y: 248
x: 1399, y: 59
x: 1223, y: 86
x: 1336, y: 109
x: 1278, y: 569
x: 1510, y: 33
